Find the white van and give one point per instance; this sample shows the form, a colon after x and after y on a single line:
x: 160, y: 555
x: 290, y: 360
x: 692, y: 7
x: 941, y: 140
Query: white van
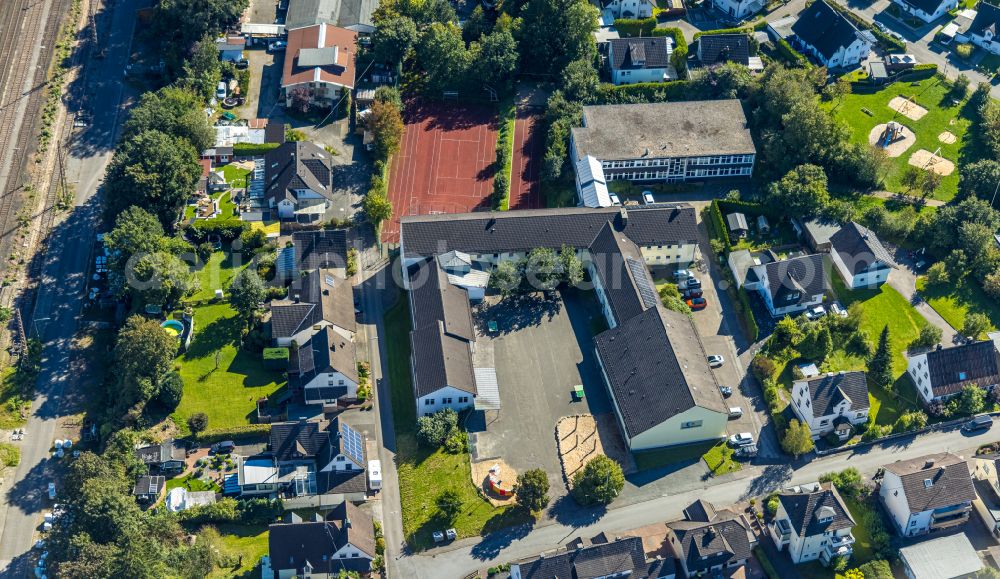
x: 374, y: 475
x: 735, y: 412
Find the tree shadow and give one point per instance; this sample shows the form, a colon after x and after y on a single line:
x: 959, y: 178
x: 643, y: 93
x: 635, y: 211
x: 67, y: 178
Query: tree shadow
x: 501, y: 530
x: 214, y: 336
x: 516, y: 313
x: 772, y: 478
x: 566, y: 511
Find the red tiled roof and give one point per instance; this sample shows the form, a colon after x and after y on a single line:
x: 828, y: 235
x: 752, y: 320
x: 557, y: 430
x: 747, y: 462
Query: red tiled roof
x: 320, y: 36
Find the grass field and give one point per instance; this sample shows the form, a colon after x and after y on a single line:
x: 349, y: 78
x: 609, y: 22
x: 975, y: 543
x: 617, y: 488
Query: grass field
x: 11, y: 401
x: 424, y: 475
x: 218, y: 273
x: 240, y: 541
x: 954, y: 302
x: 942, y: 115
x: 720, y: 459
x: 192, y: 484
x: 226, y: 392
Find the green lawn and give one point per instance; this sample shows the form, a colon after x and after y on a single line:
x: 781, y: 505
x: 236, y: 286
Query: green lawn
x: 11, y: 401
x: 248, y: 542
x: 941, y: 116
x: 424, y: 475
x: 218, y: 273
x: 954, y: 302
x: 192, y: 484
x: 227, y: 393
x: 864, y: 548
x: 720, y: 459
x: 237, y: 179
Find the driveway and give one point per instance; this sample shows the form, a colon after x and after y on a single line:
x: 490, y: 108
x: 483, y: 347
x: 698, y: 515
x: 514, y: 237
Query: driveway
x: 904, y: 280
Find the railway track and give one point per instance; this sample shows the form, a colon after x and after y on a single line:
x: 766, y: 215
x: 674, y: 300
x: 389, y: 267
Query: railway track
x: 22, y: 20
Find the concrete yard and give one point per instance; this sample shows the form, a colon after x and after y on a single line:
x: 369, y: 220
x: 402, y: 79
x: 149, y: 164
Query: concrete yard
x: 541, y: 350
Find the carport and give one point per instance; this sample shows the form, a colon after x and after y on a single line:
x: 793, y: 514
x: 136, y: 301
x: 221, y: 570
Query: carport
x: 487, y: 389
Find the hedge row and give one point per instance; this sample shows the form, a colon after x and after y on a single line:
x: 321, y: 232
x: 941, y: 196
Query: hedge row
x: 918, y: 72
x: 233, y: 433
x: 228, y: 229
x: 679, y: 57
x: 719, y: 225
x: 630, y: 28
x: 742, y: 30
x: 253, y: 149
x: 790, y: 55
x: 505, y: 157
x: 729, y: 206
x: 644, y: 92
x: 747, y: 312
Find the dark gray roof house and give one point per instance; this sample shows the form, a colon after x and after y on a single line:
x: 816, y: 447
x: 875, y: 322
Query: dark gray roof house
x: 320, y: 546
x: 933, y: 481
x: 987, y: 20
x: 860, y: 249
x: 582, y: 559
x: 668, y: 129
x: 521, y: 231
x: 951, y: 369
x: 325, y: 353
x: 715, y: 48
x: 804, y: 276
x: 826, y: 392
x: 351, y: 14
x: 316, y: 441
x: 441, y: 360
x: 816, y: 511
x: 168, y: 455
x: 433, y: 299
x: 148, y: 488
x: 709, y: 537
x: 319, y: 296
x: 296, y: 166
x: 927, y: 6
x: 655, y: 368
x: 324, y: 248
x: 825, y: 29
x: 640, y: 53
x: 622, y: 273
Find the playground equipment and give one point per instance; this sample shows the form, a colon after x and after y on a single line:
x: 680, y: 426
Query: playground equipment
x: 495, y: 483
x: 893, y: 132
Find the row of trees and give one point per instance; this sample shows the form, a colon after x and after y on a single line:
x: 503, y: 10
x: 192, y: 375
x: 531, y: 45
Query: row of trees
x: 543, y: 269
x: 386, y: 123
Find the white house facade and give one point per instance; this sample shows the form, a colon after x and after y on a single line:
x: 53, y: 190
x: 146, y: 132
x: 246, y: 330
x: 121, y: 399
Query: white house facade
x: 830, y: 37
x: 859, y: 257
x: 738, y: 9
x: 630, y: 8
x: 813, y: 523
x: 789, y: 286
x: 927, y: 493
x: 985, y: 27
x: 832, y: 403
x: 942, y: 373
x: 926, y: 10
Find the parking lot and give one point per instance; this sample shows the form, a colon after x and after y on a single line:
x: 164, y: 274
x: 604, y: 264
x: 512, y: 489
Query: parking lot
x: 541, y: 350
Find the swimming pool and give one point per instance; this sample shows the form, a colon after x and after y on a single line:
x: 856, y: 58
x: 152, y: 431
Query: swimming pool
x: 173, y: 327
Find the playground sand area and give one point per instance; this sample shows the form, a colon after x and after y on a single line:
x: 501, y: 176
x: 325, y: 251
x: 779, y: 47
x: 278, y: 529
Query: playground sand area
x: 906, y: 108
x: 927, y: 160
x: 947, y: 137
x: 508, y: 477
x: 582, y: 437
x: 898, y: 146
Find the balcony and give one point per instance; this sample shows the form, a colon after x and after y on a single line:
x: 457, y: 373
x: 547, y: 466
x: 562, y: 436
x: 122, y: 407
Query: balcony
x: 781, y: 532
x: 838, y: 546
x: 950, y: 516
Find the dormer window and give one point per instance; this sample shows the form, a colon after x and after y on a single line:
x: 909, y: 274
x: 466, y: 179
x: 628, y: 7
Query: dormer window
x: 793, y: 296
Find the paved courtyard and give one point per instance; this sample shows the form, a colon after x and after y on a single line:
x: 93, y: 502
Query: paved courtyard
x: 541, y: 349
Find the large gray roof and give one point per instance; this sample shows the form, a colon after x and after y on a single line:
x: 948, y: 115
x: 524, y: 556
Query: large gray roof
x: 814, y: 513
x: 622, y: 556
x: 343, y: 13
x: 859, y: 248
x: 805, y: 274
x: 934, y: 481
x: 671, y: 129
x: 640, y: 53
x: 952, y: 369
x: 325, y: 248
x: 434, y: 299
x: 297, y: 165
x: 521, y: 231
x: 317, y: 296
x: 826, y: 392
x: 656, y: 368
x: 718, y: 539
x: 440, y: 359
x: 622, y: 272
x: 824, y: 28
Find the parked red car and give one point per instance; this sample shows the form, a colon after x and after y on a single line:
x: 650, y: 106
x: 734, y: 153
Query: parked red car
x: 697, y: 304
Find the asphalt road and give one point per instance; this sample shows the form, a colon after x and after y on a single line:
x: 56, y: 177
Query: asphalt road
x: 60, y: 293
x: 465, y: 556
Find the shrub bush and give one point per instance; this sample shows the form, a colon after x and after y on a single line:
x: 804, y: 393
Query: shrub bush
x: 252, y: 149
x: 227, y: 229
x: 434, y: 429
x: 628, y: 27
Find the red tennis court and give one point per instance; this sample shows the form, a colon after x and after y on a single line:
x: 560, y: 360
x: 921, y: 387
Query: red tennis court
x: 529, y: 148
x: 445, y: 161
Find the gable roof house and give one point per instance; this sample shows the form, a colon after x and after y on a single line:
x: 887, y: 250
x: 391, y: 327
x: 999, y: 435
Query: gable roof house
x: 298, y: 181
x: 312, y: 249
x: 984, y: 31
x: 231, y: 48
x: 926, y: 10
x: 720, y: 48
x: 598, y: 557
x: 832, y: 403
x: 737, y: 223
x: 986, y: 479
x: 354, y: 15
x: 169, y: 455
x: 325, y: 369
x: 641, y: 59
x: 859, y: 257
x: 319, y: 462
x: 629, y: 8
x: 710, y: 540
x: 319, y: 65
x: 343, y: 541
x: 814, y: 523
x: 830, y: 37
x: 315, y: 301
x: 927, y: 493
x: 738, y: 10
x: 942, y: 373
x: 791, y: 285
x: 148, y: 489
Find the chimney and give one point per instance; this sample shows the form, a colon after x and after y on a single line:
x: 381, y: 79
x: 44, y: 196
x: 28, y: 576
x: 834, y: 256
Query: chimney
x: 624, y: 213
x: 929, y: 463
x: 347, y: 522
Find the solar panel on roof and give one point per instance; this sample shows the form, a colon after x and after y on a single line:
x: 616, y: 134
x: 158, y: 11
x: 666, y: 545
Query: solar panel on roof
x: 329, y: 280
x: 646, y: 291
x: 353, y: 443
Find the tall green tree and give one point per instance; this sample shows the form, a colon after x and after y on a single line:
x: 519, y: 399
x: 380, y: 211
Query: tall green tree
x: 377, y: 207
x: 393, y: 38
x: 175, y: 111
x: 971, y: 400
x: 880, y: 365
x: 162, y: 278
x: 387, y: 128
x: 153, y: 170
x: 975, y: 325
x: 802, y: 191
x: 580, y: 81
x: 495, y: 60
x: 178, y: 24
x: 572, y: 266
x: 247, y: 293
x: 442, y: 54
x: 599, y: 482
x: 532, y: 490
x: 477, y: 25
x: 554, y: 33
x: 143, y: 351
x: 542, y: 269
x: 136, y: 233
x: 507, y: 278
x: 203, y: 71
x: 797, y: 439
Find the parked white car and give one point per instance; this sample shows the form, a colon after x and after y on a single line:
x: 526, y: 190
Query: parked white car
x: 716, y: 361
x: 741, y: 439
x: 815, y: 313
